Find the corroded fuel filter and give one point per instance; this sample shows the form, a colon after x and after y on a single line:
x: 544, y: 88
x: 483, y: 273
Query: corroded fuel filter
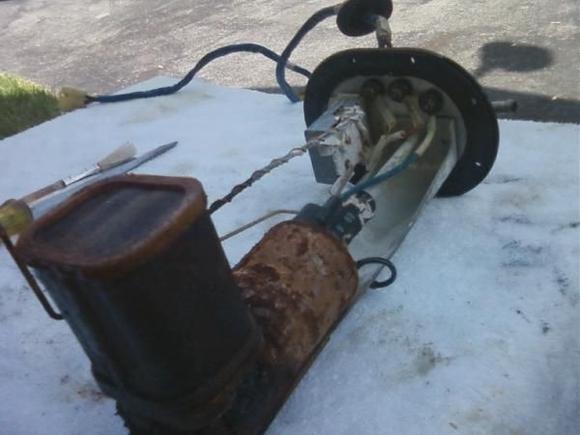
x: 298, y: 280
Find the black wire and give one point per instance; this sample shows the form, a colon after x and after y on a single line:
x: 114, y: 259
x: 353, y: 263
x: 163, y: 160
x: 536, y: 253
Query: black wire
x: 281, y: 63
x: 209, y: 57
x: 312, y: 22
x: 384, y: 262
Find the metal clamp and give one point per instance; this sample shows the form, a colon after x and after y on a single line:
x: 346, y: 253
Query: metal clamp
x: 29, y: 277
x: 384, y: 262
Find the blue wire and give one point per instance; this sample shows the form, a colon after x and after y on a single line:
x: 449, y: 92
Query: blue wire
x: 312, y: 22
x: 209, y: 57
x: 380, y: 178
x: 281, y: 64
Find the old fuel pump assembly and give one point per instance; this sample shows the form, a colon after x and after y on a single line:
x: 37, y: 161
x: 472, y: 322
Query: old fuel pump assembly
x: 185, y: 344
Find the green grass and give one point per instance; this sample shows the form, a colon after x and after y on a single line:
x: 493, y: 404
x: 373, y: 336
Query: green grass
x: 23, y: 104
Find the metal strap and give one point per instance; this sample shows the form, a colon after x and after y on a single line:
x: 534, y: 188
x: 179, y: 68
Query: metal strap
x: 29, y: 277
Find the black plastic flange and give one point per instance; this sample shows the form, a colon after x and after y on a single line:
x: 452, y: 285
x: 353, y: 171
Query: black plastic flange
x: 482, y: 131
x: 357, y: 17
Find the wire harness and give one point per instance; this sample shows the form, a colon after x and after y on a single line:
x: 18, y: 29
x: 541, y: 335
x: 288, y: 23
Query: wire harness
x: 310, y: 24
x: 205, y: 60
x: 405, y: 163
x: 282, y: 63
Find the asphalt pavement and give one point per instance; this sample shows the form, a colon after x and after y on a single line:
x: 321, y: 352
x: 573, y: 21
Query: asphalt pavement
x: 527, y: 49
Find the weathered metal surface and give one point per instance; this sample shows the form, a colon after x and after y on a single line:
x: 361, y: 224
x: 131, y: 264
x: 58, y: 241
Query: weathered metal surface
x: 297, y: 281
x: 135, y: 266
x: 162, y: 317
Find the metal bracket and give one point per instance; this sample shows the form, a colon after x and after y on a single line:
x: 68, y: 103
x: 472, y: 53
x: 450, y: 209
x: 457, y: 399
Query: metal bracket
x: 29, y: 277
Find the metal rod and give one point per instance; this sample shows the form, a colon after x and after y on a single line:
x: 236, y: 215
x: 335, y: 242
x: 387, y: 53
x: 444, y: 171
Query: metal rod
x: 29, y: 277
x: 505, y: 106
x: 256, y: 222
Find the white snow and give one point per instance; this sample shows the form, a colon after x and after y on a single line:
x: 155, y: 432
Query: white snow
x: 480, y: 334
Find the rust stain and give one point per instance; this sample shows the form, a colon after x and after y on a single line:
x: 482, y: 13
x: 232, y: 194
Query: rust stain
x: 296, y: 298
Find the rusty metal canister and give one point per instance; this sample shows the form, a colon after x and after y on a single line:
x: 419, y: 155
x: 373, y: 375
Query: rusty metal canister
x: 135, y: 267
x: 298, y: 280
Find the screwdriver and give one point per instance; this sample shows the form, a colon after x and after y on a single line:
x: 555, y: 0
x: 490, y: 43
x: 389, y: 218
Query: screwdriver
x: 119, y: 156
x: 17, y: 214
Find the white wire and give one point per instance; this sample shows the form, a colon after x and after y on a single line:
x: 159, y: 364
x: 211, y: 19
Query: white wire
x: 381, y: 145
x: 401, y: 154
x: 431, y: 130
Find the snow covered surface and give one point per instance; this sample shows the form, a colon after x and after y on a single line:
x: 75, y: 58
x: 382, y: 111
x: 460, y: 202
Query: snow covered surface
x: 480, y: 334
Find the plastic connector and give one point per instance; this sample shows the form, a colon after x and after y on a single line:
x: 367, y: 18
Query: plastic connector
x: 71, y: 99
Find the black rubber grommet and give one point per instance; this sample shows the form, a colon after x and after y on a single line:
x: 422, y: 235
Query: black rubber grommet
x: 357, y: 17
